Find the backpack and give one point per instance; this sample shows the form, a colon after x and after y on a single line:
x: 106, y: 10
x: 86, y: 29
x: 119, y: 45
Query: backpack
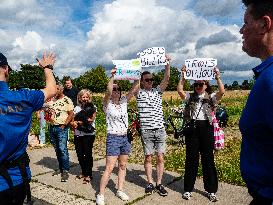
x: 222, y: 116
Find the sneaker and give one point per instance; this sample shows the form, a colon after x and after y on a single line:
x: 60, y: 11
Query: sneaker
x: 122, y: 195
x: 212, y: 197
x: 149, y: 188
x: 186, y: 195
x: 100, y: 200
x: 160, y: 189
x: 56, y: 172
x: 64, y: 176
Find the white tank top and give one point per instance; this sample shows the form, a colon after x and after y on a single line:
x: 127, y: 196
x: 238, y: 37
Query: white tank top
x: 117, y: 117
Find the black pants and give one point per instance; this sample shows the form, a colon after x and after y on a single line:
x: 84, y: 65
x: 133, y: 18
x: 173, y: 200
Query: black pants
x: 84, y: 146
x: 201, y: 142
x: 16, y: 198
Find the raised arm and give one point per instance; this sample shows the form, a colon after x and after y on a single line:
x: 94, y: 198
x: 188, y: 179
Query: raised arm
x: 47, y: 62
x: 135, y: 88
x: 221, y: 88
x: 181, y: 83
x: 165, y: 81
x: 109, y: 91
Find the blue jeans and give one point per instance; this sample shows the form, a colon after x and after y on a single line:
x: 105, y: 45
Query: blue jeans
x: 58, y: 138
x: 42, y: 127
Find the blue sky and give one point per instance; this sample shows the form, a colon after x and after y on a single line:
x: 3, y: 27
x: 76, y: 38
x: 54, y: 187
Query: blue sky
x: 85, y: 33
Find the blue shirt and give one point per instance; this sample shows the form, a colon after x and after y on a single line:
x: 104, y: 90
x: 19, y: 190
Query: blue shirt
x: 16, y: 109
x: 256, y: 125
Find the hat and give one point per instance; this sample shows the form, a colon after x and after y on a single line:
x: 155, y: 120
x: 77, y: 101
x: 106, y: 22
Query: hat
x: 4, y: 61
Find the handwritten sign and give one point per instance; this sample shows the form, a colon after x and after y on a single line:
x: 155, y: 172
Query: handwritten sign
x: 127, y: 69
x: 200, y: 68
x: 154, y: 56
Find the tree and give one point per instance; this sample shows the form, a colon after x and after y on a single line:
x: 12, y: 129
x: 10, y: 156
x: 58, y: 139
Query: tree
x: 29, y: 76
x: 173, y: 81
x: 245, y: 85
x: 235, y: 85
x: 94, y: 80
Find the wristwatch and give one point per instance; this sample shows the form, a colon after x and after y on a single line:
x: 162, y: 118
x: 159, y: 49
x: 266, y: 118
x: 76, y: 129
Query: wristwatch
x: 49, y: 66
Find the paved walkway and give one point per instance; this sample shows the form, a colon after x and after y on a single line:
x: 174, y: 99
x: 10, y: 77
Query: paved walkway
x: 48, y: 189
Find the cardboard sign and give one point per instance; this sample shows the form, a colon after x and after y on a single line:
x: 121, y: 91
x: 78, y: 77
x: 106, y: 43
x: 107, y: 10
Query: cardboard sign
x: 200, y: 68
x: 154, y: 56
x: 127, y: 69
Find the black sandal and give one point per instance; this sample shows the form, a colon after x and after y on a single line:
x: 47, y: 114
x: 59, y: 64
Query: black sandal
x: 87, y: 180
x: 79, y: 177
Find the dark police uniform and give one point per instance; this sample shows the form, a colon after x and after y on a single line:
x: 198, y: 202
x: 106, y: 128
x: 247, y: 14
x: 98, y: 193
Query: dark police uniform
x: 16, y: 109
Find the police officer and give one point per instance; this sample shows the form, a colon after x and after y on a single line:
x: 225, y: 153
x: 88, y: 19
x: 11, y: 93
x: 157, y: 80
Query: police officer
x: 16, y: 109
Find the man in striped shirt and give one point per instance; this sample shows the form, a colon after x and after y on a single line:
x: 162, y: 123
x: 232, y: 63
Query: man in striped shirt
x: 149, y: 101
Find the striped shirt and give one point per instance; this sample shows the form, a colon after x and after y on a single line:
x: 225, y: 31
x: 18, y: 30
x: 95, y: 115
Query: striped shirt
x: 150, y: 110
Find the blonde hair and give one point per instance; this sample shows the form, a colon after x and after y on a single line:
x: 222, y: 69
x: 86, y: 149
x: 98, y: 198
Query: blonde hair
x: 81, y: 93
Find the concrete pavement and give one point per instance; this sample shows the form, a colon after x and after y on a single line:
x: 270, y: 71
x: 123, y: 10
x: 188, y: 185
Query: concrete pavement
x: 48, y: 189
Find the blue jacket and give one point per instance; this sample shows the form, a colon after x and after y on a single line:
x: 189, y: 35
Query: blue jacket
x: 16, y: 109
x: 256, y: 125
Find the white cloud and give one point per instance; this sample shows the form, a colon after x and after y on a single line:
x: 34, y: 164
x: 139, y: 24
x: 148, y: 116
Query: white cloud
x: 118, y: 30
x: 30, y: 42
x: 125, y: 27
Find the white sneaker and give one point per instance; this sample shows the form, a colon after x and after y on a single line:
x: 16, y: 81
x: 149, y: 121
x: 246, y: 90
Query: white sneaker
x: 186, y: 195
x: 100, y: 200
x: 122, y: 195
x: 212, y: 197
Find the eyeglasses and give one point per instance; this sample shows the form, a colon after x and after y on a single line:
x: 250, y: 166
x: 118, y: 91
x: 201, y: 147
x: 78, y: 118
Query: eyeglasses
x: 116, y: 89
x: 149, y: 80
x: 198, y: 84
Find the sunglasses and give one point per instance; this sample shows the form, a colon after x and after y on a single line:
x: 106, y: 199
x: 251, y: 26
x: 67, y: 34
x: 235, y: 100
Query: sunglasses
x: 198, y: 84
x: 149, y: 80
x: 116, y: 89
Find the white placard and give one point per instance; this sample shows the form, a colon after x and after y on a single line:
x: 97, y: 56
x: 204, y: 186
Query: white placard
x: 200, y: 68
x: 154, y: 56
x: 127, y: 69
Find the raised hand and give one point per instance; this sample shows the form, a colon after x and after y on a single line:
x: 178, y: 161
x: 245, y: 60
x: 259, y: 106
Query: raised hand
x: 217, y: 73
x: 46, y: 60
x: 113, y: 71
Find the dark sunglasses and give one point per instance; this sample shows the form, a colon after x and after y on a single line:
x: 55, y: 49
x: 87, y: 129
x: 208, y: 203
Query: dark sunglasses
x: 116, y: 89
x: 198, y: 84
x: 149, y: 80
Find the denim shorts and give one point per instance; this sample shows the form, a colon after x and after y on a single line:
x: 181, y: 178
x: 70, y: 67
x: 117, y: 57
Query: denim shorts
x: 153, y: 140
x: 117, y: 145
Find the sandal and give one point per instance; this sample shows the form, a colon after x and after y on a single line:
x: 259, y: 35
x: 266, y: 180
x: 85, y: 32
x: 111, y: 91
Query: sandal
x: 79, y: 177
x: 86, y: 180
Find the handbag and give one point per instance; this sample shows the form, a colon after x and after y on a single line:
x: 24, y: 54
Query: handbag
x: 130, y: 135
x: 189, y: 127
x: 129, y: 132
x: 219, y: 135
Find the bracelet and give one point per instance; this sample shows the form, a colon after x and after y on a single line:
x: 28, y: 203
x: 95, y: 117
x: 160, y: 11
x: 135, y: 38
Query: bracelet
x: 49, y: 66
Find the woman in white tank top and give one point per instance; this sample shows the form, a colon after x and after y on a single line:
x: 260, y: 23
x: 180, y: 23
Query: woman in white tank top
x: 117, y: 145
